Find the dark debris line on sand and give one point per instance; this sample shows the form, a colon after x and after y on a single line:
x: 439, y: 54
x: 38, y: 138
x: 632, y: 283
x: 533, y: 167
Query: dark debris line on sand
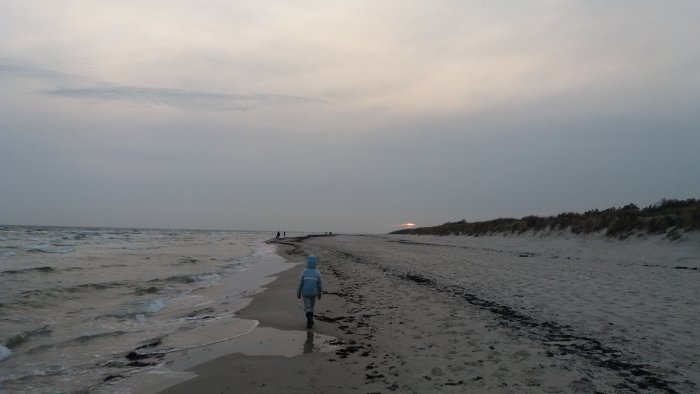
x: 355, y: 324
x: 559, y: 338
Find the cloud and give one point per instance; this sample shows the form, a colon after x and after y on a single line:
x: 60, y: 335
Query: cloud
x: 75, y: 87
x: 14, y: 69
x: 178, y: 98
x: 431, y: 112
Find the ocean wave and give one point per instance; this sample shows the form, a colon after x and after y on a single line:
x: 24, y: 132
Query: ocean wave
x: 23, y: 337
x: 54, y: 291
x: 50, y: 248
x: 83, y: 338
x: 147, y: 290
x: 189, y: 278
x: 138, y: 309
x: 91, y: 336
x: 138, y: 247
x: 188, y: 260
x: 236, y: 267
x: 175, y: 279
x: 92, y: 286
x: 57, y: 294
x: 207, y: 277
x: 48, y: 371
x: 26, y: 270
x: 7, y: 253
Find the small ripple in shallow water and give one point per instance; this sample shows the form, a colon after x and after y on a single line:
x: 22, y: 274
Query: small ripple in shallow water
x: 50, y: 248
x: 27, y: 270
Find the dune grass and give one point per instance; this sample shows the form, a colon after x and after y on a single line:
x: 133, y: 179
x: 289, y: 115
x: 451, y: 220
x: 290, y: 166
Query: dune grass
x: 670, y: 217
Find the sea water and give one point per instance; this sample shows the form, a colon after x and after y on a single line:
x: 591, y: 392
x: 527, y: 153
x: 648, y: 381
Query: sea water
x: 75, y: 302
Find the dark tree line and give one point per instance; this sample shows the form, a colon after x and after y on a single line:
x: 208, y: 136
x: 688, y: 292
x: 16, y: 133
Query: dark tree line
x: 670, y: 217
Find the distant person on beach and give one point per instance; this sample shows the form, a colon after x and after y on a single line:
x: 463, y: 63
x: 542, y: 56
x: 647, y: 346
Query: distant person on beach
x: 310, y: 287
x: 278, y: 235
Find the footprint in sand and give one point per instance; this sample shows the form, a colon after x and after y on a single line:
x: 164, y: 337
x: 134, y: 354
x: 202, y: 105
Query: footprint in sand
x: 437, y: 371
x: 582, y: 385
x: 531, y: 382
x: 521, y: 355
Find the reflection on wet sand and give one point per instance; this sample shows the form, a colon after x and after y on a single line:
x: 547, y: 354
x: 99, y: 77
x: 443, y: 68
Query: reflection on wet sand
x: 309, y: 344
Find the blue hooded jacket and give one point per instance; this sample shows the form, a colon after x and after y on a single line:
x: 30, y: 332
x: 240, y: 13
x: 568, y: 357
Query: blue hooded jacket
x: 310, y: 284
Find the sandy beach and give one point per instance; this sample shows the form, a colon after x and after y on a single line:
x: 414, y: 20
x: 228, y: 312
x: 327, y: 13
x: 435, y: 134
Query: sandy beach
x: 425, y: 314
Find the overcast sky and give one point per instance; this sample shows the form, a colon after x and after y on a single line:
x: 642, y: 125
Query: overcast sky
x: 344, y: 116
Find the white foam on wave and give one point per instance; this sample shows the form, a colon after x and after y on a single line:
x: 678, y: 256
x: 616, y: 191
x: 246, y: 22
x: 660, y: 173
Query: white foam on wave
x: 263, y: 251
x: 139, y: 309
x: 154, y: 306
x: 206, y: 278
x: 5, y: 353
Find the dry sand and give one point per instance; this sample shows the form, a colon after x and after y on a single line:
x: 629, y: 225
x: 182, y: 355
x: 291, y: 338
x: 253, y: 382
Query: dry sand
x: 421, y: 314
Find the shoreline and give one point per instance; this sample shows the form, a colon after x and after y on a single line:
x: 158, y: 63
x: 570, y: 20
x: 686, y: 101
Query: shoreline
x: 421, y: 314
x: 277, y: 308
x: 108, y: 311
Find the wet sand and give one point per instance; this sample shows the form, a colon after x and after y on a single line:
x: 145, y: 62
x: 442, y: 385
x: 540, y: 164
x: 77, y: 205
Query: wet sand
x: 310, y: 371
x: 498, y: 314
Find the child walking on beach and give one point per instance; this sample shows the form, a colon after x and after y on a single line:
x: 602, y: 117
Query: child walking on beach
x: 310, y: 288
